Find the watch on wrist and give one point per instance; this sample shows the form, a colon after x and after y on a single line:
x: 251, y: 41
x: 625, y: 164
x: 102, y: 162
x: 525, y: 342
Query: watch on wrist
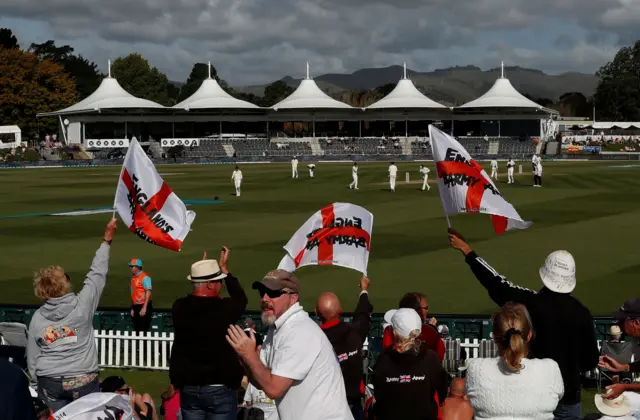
x: 107, y: 241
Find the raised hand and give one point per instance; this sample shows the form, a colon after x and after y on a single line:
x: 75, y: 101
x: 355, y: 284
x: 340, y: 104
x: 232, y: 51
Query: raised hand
x: 224, y: 260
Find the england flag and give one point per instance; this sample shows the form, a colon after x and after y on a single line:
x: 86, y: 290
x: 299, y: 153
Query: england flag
x: 465, y: 187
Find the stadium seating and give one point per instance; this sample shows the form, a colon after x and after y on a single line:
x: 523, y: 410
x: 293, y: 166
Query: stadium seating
x: 257, y: 148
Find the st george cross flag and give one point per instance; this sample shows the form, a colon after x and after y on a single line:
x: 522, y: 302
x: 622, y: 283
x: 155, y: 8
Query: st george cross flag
x: 339, y: 234
x: 466, y: 188
x: 97, y: 406
x: 147, y: 205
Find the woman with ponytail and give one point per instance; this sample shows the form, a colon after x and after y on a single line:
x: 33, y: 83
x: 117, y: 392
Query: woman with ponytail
x: 511, y: 385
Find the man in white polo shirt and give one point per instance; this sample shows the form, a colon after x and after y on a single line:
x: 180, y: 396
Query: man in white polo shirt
x: 301, y: 371
x: 393, y: 172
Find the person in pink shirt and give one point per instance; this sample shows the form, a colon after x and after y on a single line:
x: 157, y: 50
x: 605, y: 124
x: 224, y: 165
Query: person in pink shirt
x: 171, y: 404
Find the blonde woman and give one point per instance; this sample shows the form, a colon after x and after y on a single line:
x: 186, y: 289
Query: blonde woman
x: 61, y: 351
x: 512, y: 386
x: 408, y: 378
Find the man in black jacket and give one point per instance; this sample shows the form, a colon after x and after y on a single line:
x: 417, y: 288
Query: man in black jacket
x: 564, y: 328
x: 347, y: 340
x: 203, y: 365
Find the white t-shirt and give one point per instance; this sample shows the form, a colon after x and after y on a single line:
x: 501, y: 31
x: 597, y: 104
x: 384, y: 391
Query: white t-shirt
x: 535, y: 160
x: 393, y: 170
x: 294, y: 162
x: 494, y: 164
x: 511, y: 164
x: 237, y: 175
x: 296, y: 348
x: 355, y: 171
x: 532, y: 394
x: 259, y: 399
x: 424, y: 171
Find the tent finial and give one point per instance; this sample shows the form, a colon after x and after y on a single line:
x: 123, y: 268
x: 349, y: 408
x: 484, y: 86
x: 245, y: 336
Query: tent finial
x: 502, y: 70
x: 405, y: 70
x: 109, y: 68
x: 209, y: 68
x: 308, y: 70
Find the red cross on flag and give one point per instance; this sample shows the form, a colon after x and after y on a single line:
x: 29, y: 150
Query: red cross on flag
x: 147, y: 205
x: 339, y: 234
x: 466, y: 188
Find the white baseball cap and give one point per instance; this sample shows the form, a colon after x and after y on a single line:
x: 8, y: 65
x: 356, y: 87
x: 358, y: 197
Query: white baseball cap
x: 404, y: 321
x: 387, y: 317
x: 558, y: 273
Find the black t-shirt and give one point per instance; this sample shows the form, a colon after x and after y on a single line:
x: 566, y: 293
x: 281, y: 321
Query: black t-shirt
x: 405, y: 385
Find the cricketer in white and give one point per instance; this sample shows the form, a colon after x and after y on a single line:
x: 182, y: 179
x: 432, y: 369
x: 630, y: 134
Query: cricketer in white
x: 393, y: 172
x: 510, y: 168
x: 425, y: 177
x: 494, y: 169
x: 354, y: 174
x: 237, y: 180
x: 294, y: 167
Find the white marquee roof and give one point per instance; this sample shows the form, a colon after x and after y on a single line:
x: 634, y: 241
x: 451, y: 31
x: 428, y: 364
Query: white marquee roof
x: 610, y: 125
x: 405, y: 95
x: 109, y: 95
x: 309, y: 96
x: 211, y: 95
x: 503, y: 95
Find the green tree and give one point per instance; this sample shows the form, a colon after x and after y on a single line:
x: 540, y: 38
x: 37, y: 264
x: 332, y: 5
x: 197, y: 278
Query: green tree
x: 29, y: 86
x: 85, y: 73
x: 275, y: 92
x: 8, y: 39
x: 617, y: 96
x: 138, y: 78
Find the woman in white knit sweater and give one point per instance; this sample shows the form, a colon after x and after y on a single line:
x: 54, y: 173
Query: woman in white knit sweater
x: 512, y: 386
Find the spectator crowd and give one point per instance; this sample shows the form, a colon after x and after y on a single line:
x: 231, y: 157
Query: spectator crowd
x: 222, y: 369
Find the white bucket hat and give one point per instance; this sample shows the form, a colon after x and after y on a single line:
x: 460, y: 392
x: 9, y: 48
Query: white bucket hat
x: 404, y: 321
x: 558, y: 273
x: 204, y: 271
x: 616, y: 407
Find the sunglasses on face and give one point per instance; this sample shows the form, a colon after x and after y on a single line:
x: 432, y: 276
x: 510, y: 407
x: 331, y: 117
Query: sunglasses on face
x: 273, y: 294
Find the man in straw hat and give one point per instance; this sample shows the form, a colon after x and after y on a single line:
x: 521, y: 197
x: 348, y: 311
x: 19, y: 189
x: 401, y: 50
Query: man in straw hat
x: 628, y: 317
x: 300, y: 369
x: 574, y: 346
x: 203, y: 366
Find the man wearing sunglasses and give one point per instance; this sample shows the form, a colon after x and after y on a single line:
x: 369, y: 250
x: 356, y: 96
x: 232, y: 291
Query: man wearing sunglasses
x: 142, y: 404
x: 297, y: 366
x: 628, y: 316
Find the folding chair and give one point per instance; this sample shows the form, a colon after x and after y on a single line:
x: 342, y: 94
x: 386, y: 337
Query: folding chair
x: 623, y: 352
x: 13, y: 343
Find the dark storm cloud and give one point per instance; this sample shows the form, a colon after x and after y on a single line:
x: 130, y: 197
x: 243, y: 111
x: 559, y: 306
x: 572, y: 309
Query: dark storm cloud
x: 266, y: 39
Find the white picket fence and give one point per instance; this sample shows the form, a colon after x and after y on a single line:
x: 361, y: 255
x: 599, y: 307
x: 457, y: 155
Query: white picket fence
x: 124, y: 349
x: 152, y: 350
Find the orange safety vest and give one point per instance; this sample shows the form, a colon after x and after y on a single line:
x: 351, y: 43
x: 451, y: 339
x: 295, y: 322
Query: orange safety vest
x: 137, y: 289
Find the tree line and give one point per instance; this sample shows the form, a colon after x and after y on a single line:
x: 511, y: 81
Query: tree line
x: 47, y: 77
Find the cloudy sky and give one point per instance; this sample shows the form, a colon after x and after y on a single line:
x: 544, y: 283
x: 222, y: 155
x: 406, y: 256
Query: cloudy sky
x: 258, y: 41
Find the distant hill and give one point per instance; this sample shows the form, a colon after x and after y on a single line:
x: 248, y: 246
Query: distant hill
x: 452, y: 86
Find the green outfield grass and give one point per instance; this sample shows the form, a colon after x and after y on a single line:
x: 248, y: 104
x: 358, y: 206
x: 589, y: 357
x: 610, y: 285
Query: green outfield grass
x: 588, y: 209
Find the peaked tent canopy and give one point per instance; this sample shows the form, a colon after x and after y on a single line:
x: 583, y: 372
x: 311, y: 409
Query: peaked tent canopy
x: 405, y: 95
x: 503, y: 95
x: 109, y: 95
x: 210, y: 95
x: 309, y: 96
